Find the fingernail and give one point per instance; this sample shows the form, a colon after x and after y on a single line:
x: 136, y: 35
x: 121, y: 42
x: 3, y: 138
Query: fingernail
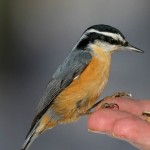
x: 117, y: 137
x: 93, y: 131
x: 114, y: 135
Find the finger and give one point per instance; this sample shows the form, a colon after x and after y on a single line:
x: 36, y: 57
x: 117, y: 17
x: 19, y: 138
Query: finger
x: 103, y: 120
x: 122, y: 125
x: 134, y: 130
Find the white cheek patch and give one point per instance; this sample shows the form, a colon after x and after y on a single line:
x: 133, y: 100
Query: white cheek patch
x: 106, y: 46
x: 113, y: 35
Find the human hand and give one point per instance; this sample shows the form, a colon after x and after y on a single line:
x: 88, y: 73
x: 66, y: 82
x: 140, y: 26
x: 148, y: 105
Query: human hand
x: 126, y: 123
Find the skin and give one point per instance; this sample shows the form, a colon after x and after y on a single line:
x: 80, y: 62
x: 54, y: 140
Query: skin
x: 125, y: 123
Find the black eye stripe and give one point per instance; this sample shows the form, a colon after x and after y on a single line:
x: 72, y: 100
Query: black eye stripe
x: 105, y: 38
x: 112, y: 41
x: 92, y: 37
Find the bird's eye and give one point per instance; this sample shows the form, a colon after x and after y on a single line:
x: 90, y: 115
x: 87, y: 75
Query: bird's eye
x: 102, y: 37
x: 111, y: 40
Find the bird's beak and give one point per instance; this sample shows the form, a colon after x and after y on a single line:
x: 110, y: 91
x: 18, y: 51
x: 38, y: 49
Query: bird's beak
x: 132, y: 48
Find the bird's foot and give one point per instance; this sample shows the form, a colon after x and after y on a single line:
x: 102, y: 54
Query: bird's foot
x: 120, y: 94
x: 147, y: 115
x: 111, y: 105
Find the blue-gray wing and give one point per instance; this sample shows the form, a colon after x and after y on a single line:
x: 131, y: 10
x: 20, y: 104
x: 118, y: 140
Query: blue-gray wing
x: 73, y: 65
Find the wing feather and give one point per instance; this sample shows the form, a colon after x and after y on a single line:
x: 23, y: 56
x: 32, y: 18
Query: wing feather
x: 73, y: 66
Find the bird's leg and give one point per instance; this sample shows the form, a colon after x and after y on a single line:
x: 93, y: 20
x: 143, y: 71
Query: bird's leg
x: 147, y: 115
x: 88, y: 112
x: 107, y: 105
x: 111, y: 105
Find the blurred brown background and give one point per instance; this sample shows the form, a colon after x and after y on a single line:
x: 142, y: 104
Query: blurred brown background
x: 36, y: 36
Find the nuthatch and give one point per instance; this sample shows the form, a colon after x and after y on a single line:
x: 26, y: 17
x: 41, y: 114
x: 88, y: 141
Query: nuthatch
x: 79, y: 80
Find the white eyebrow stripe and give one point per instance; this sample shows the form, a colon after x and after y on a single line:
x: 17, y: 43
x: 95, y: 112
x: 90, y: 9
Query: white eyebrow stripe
x: 113, y: 35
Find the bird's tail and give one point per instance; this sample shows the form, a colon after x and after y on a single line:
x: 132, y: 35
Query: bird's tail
x: 36, y: 129
x: 32, y: 135
x: 38, y: 126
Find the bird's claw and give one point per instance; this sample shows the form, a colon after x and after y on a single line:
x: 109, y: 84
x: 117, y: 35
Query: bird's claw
x: 120, y: 94
x: 110, y: 105
x: 147, y: 115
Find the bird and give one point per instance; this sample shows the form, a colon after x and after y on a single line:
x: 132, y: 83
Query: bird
x: 79, y: 81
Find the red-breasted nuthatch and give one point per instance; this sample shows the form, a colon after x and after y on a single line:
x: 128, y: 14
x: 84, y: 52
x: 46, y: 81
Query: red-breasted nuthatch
x: 79, y: 80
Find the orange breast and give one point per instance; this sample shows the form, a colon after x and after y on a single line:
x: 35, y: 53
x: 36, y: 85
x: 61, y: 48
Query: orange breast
x: 87, y: 87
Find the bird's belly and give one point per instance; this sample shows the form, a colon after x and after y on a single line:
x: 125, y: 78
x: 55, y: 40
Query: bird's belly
x: 82, y: 93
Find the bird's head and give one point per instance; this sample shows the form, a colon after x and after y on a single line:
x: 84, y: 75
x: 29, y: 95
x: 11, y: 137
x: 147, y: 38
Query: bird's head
x: 106, y: 37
